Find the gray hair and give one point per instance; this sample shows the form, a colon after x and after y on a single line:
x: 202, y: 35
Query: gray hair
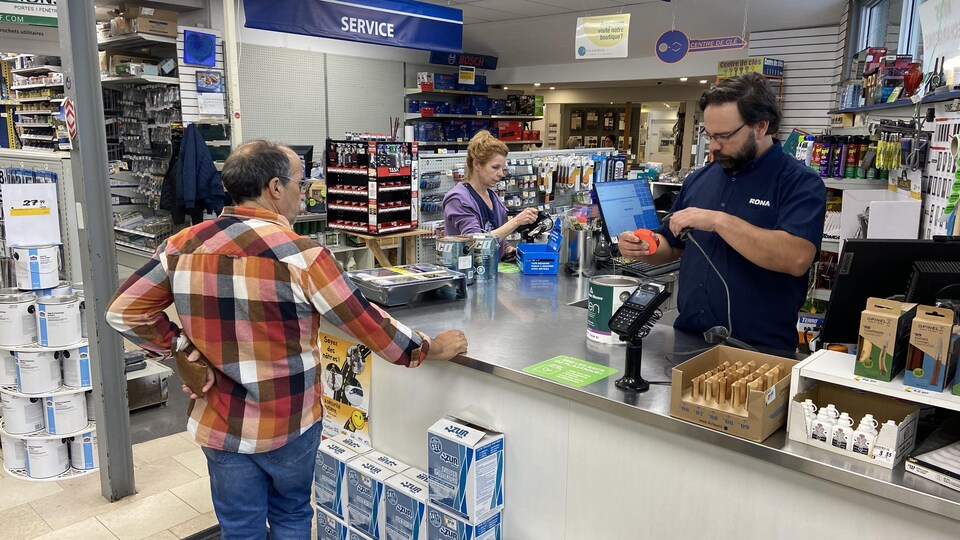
x: 251, y: 166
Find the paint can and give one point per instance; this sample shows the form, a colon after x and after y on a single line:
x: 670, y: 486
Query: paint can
x: 37, y: 267
x: 76, y: 365
x: 63, y: 288
x: 83, y: 451
x: 454, y: 253
x: 14, y: 452
x: 58, y: 320
x: 47, y: 458
x: 8, y: 368
x: 486, y: 257
x: 90, y: 416
x: 606, y: 295
x: 18, y: 318
x: 22, y: 415
x: 38, y: 371
x: 66, y: 413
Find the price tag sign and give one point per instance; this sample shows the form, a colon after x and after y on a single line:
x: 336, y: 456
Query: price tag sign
x: 919, y: 391
x: 31, y: 214
x: 883, y: 454
x: 865, y: 379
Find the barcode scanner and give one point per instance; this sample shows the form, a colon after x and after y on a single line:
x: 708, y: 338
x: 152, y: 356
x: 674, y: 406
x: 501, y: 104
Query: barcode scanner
x: 684, y: 234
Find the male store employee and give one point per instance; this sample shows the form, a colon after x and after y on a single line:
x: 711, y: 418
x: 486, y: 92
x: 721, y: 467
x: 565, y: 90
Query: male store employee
x: 756, y: 212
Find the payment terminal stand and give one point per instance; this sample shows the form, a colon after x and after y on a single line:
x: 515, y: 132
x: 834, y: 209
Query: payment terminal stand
x: 632, y: 322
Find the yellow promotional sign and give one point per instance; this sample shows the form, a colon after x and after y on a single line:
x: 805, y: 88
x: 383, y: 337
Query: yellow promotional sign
x: 605, y: 36
x: 345, y: 371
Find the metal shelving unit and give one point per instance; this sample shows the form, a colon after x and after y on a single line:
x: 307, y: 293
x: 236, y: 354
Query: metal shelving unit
x: 134, y: 42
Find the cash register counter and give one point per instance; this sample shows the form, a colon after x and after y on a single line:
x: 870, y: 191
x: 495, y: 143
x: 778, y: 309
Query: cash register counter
x: 597, y: 463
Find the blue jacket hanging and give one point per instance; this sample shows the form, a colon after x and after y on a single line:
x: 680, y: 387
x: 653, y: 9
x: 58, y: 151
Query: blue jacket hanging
x: 198, y: 180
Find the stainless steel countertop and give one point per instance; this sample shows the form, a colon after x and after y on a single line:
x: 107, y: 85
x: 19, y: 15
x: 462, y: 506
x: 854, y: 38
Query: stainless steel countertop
x: 521, y: 320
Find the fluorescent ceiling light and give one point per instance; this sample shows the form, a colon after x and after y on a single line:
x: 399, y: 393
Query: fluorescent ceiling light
x: 683, y: 79
x: 703, y: 81
x: 506, y: 87
x: 536, y: 84
x: 553, y: 87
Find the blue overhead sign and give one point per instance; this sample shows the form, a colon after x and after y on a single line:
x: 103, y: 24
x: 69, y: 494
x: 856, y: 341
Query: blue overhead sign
x: 479, y: 61
x: 398, y: 23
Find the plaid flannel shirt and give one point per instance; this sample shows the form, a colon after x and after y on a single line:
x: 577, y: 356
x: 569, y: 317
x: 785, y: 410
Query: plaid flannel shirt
x: 250, y: 294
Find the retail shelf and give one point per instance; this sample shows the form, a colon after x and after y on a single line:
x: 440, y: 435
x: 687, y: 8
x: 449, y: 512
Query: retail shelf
x: 394, y: 188
x: 667, y: 184
x: 344, y: 249
x: 338, y: 191
x: 418, y: 116
x: 306, y: 218
x: 135, y: 249
x: 465, y: 143
x: 60, y: 391
x: 933, y: 98
x: 43, y: 434
x: 69, y: 474
x: 22, y: 113
x: 32, y: 137
x: 821, y: 294
x: 36, y: 99
x: 837, y: 368
x: 398, y: 228
x: 395, y: 209
x: 37, y: 85
x: 354, y: 228
x: 35, y: 125
x: 9, y: 102
x: 859, y: 130
x: 133, y: 231
x: 37, y: 69
x: 347, y: 208
x: 850, y: 183
x: 831, y: 245
x: 134, y: 41
x: 139, y: 79
x: 415, y: 91
x: 359, y: 171
x: 57, y: 100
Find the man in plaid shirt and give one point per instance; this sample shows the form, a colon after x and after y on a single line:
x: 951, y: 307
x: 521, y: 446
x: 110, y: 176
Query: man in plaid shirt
x: 250, y: 294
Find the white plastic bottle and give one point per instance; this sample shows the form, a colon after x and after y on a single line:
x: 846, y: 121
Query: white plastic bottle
x: 842, y: 432
x: 865, y: 436
x: 822, y: 425
x: 809, y: 414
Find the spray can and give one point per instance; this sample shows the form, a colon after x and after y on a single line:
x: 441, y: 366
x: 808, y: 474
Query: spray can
x: 826, y: 155
x: 853, y: 156
x: 840, y: 157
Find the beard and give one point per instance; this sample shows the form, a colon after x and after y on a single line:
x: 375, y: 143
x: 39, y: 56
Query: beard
x: 736, y: 162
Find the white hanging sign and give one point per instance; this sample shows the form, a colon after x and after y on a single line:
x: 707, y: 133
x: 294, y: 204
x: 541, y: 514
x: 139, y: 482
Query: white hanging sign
x: 602, y: 37
x: 31, y: 215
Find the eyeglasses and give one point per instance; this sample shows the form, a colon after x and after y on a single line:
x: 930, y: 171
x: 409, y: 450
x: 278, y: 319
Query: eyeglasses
x: 304, y: 183
x: 721, y: 137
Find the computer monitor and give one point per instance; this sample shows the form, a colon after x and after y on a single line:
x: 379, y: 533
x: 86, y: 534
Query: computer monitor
x: 305, y: 151
x: 625, y: 205
x: 875, y: 268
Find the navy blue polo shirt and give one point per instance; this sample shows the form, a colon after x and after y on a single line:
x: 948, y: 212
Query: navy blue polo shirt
x: 774, y: 191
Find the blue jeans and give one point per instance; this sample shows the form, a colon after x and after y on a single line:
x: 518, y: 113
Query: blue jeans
x: 250, y: 490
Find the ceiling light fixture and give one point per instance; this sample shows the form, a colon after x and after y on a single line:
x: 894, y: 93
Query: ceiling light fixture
x: 536, y: 84
x: 683, y: 79
x: 553, y: 87
x: 703, y: 81
x: 506, y: 87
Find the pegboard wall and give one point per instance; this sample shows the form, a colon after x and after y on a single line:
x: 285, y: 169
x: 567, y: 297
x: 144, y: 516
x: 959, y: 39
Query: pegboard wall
x: 283, y: 95
x: 190, y: 109
x: 938, y: 182
x: 362, y: 94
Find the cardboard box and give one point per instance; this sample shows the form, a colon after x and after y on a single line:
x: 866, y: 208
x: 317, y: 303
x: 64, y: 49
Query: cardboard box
x: 329, y: 527
x: 933, y: 352
x: 329, y: 484
x: 405, y: 515
x: 765, y: 411
x: 465, y: 465
x: 149, y: 25
x: 365, y: 496
x: 510, y: 130
x: 352, y: 443
x: 111, y: 59
x: 133, y: 9
x: 393, y: 465
x: 417, y: 474
x: 442, y: 525
x: 884, y: 338
x: 842, y: 120
x: 892, y: 444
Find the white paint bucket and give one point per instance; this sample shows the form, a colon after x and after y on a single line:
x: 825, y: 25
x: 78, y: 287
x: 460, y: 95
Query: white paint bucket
x: 605, y: 296
x: 90, y: 415
x: 66, y: 413
x: 22, y: 415
x: 63, y: 288
x: 18, y: 319
x: 38, y: 371
x: 38, y: 267
x: 8, y: 368
x: 14, y: 452
x: 83, y: 451
x: 58, y: 320
x: 76, y: 365
x: 47, y: 457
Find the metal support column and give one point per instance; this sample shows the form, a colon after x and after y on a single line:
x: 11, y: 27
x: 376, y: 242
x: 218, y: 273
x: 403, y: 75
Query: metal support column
x: 231, y: 61
x: 78, y: 44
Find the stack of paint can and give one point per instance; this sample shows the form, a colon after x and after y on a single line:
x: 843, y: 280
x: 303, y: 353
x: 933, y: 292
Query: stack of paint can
x: 46, y: 431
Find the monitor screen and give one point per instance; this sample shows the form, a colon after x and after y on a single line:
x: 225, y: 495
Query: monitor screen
x: 625, y: 206
x: 306, y: 155
x: 875, y: 268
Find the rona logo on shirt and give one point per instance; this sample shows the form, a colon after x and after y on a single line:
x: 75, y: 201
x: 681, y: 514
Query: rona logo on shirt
x: 759, y: 202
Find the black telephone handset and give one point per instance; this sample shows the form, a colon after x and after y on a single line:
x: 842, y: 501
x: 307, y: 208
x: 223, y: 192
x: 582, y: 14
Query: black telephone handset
x: 631, y: 319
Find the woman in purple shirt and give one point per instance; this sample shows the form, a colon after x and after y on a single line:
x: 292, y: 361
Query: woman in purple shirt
x: 472, y: 206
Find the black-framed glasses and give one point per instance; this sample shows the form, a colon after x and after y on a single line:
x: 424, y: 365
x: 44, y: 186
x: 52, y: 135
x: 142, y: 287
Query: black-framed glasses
x: 721, y: 137
x: 304, y: 183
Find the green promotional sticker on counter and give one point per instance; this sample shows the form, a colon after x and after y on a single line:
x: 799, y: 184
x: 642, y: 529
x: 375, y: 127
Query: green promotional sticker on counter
x: 508, y: 268
x: 570, y: 371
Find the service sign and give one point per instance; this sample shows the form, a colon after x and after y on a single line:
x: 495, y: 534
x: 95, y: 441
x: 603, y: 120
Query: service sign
x: 397, y: 23
x: 605, y: 36
x: 35, y: 12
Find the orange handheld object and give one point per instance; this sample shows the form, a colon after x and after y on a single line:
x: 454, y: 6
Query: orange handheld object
x: 646, y: 235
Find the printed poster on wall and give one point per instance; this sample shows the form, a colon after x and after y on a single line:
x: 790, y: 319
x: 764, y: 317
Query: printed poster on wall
x: 346, y: 367
x: 604, y: 36
x: 31, y: 215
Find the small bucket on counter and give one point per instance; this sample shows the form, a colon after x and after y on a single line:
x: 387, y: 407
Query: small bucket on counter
x: 454, y: 253
x: 37, y: 267
x: 58, y: 320
x: 14, y: 452
x: 66, y: 413
x: 83, y: 451
x: 38, y: 371
x: 22, y: 415
x: 47, y: 458
x: 18, y: 318
x: 606, y: 294
x: 486, y: 257
x: 76, y: 365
